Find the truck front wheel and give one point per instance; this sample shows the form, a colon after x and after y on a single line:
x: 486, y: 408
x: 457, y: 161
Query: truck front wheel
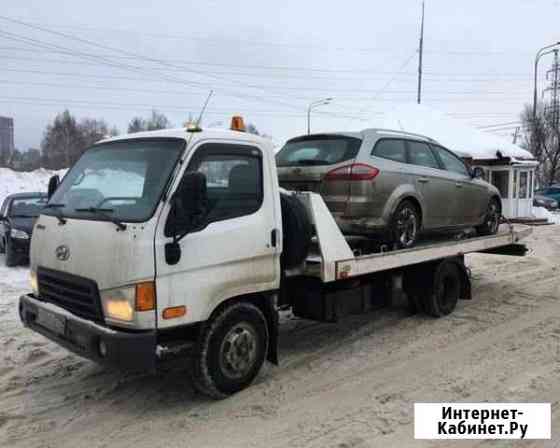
x: 231, y: 350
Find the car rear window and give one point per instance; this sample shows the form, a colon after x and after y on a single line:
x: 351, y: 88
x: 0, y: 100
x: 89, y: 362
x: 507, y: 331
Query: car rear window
x: 318, y: 150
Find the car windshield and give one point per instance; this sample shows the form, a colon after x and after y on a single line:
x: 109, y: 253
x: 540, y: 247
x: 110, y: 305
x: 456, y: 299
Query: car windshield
x: 318, y: 150
x: 125, y: 179
x: 27, y: 207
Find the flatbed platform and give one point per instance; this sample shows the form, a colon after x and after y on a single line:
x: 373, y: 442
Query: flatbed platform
x: 335, y: 259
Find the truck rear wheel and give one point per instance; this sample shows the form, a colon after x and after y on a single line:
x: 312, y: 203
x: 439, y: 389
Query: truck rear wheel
x: 435, y: 288
x: 231, y: 350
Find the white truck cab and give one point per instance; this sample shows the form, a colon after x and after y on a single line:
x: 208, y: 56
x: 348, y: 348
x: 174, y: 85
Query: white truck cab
x: 166, y: 243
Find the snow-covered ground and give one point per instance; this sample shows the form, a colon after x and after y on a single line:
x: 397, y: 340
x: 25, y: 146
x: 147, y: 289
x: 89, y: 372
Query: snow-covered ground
x: 351, y: 384
x: 543, y: 213
x: 20, y: 182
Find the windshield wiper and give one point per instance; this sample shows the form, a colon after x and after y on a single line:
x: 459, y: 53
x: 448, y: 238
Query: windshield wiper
x: 59, y: 216
x: 104, y: 213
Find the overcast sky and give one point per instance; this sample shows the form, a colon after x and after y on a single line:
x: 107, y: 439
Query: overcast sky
x: 267, y: 60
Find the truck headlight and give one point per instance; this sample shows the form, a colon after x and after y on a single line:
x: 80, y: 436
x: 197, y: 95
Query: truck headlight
x: 19, y: 234
x: 122, y: 303
x: 33, y: 282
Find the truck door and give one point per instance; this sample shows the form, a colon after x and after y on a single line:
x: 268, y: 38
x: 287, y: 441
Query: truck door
x: 234, y: 252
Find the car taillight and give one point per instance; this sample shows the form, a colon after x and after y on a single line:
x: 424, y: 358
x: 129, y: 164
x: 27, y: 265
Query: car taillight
x: 356, y: 171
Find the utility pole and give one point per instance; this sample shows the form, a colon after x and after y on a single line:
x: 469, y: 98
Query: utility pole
x: 553, y: 75
x: 420, y: 54
x: 516, y: 134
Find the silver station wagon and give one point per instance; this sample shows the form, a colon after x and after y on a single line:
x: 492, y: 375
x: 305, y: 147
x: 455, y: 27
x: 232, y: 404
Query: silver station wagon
x: 391, y: 184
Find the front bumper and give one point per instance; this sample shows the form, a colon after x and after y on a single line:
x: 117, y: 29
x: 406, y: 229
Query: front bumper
x: 124, y: 350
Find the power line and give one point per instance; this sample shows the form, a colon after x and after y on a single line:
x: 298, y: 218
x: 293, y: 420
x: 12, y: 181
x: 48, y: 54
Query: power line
x: 366, y: 72
x: 134, y: 106
x: 257, y: 42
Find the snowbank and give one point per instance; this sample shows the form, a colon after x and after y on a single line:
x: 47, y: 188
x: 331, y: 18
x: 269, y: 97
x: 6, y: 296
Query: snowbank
x: 460, y: 138
x: 543, y: 213
x: 20, y: 182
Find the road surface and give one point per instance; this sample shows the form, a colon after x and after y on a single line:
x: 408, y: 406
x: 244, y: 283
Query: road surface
x: 351, y: 384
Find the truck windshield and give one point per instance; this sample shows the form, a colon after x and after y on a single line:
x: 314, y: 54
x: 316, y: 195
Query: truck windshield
x: 318, y: 150
x: 125, y: 177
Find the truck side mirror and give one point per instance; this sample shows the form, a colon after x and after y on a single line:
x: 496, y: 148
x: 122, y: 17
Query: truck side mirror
x: 190, y: 201
x: 189, y: 206
x: 477, y: 172
x: 54, y: 182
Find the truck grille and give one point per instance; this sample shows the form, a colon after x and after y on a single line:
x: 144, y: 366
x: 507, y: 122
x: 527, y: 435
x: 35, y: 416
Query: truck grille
x: 78, y: 295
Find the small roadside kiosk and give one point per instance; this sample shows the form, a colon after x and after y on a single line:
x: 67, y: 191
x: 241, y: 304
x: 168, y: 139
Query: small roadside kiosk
x: 507, y: 166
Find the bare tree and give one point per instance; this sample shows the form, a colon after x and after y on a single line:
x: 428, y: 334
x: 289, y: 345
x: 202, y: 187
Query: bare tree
x: 60, y: 140
x: 542, y: 139
x: 156, y: 121
x: 65, y: 139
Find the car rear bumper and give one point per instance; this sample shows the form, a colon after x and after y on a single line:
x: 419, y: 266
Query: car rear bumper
x: 124, y: 350
x: 360, y: 226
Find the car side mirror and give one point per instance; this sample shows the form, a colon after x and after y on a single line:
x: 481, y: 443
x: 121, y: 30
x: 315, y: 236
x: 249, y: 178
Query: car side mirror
x: 54, y: 182
x: 477, y: 173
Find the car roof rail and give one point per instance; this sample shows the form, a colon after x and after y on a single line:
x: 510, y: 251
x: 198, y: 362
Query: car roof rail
x: 399, y: 132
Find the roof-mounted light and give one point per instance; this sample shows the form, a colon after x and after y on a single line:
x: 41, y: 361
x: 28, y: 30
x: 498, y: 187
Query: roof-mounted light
x: 237, y: 124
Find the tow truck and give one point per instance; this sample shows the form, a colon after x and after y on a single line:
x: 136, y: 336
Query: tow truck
x: 179, y: 245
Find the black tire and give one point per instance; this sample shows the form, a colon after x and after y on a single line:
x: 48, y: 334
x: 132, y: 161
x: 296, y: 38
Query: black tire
x: 296, y: 230
x: 445, y: 292
x: 491, y: 223
x: 405, y: 225
x: 11, y: 256
x: 239, y: 330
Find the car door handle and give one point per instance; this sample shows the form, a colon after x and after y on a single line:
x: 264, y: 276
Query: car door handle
x: 423, y: 180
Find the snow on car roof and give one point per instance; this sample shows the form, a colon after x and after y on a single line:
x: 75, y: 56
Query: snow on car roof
x: 453, y: 134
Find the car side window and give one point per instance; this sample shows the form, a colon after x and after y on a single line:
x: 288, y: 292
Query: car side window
x: 234, y: 182
x: 421, y: 154
x: 390, y: 148
x: 450, y: 161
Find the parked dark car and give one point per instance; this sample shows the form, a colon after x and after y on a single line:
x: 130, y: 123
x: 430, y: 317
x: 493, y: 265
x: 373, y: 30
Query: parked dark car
x: 540, y: 200
x: 17, y: 217
x: 552, y: 192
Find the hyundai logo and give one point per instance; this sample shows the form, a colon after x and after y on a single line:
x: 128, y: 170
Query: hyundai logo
x: 62, y: 253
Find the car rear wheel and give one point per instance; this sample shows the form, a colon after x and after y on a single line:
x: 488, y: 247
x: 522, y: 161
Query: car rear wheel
x: 405, y: 225
x: 491, y: 222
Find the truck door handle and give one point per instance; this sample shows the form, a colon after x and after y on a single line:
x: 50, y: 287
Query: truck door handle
x: 423, y: 180
x: 273, y: 237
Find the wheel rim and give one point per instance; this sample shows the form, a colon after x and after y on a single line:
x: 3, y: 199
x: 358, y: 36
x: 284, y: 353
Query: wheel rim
x: 493, y: 220
x: 238, y: 351
x: 407, y: 227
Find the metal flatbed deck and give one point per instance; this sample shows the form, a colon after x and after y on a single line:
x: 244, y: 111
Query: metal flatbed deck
x: 336, y: 259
